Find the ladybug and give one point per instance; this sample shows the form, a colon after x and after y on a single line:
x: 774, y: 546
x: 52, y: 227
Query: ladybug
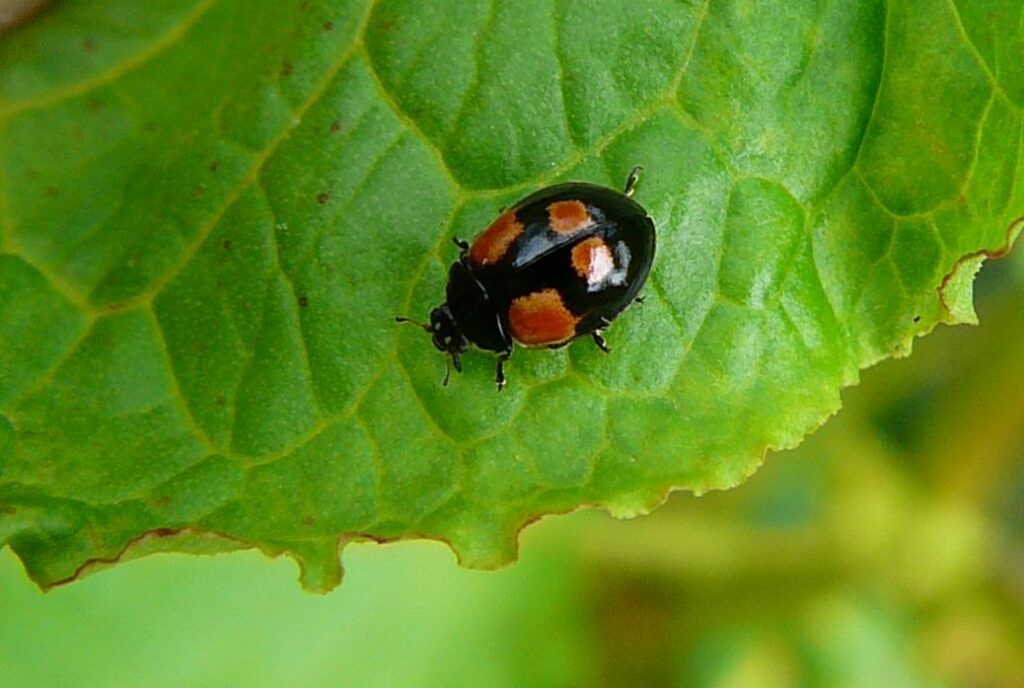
x: 562, y: 263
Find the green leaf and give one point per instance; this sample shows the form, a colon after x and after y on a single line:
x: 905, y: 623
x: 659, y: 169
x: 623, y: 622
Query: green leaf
x: 211, y: 210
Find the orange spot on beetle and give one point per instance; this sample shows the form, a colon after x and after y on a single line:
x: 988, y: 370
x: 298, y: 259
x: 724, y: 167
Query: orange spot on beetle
x: 493, y: 244
x: 568, y: 217
x: 592, y: 260
x: 541, y: 319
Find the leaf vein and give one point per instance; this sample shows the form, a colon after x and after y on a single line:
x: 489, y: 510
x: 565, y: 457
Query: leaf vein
x: 475, y: 80
x: 976, y: 147
x: 405, y: 118
x: 249, y: 360
x: 354, y: 195
x: 375, y: 457
x: 164, y: 42
x: 253, y: 173
x: 51, y: 372
x: 673, y: 90
x: 556, y: 20
x: 172, y: 378
x: 873, y: 111
x: 976, y: 54
x: 293, y: 315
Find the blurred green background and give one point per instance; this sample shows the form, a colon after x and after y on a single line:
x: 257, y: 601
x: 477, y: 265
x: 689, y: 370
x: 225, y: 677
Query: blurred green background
x: 887, y: 551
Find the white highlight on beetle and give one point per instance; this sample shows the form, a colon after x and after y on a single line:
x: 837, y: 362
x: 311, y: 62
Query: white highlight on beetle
x: 601, y: 265
x: 605, y: 270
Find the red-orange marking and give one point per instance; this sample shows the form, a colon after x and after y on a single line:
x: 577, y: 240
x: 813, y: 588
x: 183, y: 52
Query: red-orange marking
x: 541, y: 319
x: 490, y: 246
x: 566, y: 217
x: 592, y: 259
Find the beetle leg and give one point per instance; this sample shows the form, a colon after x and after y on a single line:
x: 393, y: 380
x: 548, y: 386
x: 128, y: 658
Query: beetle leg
x: 463, y: 245
x: 403, y: 319
x: 639, y: 299
x: 499, y: 376
x: 632, y: 179
x: 599, y: 340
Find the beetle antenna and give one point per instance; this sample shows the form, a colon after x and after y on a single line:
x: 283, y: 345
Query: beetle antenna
x: 456, y: 362
x: 632, y: 179
x: 403, y: 319
x: 447, y: 372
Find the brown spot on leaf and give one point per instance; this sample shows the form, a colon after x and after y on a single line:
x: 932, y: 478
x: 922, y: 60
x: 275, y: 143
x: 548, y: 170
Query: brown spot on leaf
x: 214, y: 166
x: 322, y: 197
x: 335, y: 127
x: 287, y: 68
x: 89, y: 45
x: 303, y: 301
x: 227, y: 244
x: 328, y: 26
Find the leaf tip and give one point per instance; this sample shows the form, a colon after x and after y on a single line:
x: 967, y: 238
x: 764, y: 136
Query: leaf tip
x: 487, y: 547
x: 320, y: 569
x: 634, y: 504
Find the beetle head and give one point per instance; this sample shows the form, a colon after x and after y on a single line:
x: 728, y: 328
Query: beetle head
x: 445, y: 334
